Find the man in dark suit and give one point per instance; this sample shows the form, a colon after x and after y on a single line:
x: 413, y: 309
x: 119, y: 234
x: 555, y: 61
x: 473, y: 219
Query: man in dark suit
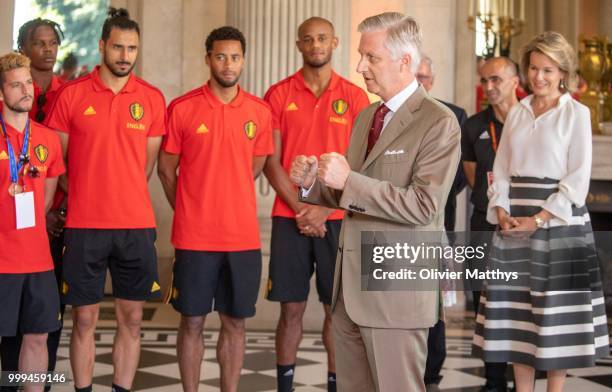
x: 436, y: 340
x: 426, y: 76
x: 396, y: 176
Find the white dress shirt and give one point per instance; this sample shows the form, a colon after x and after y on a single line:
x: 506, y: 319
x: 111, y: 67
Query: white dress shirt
x: 397, y: 101
x: 556, y: 144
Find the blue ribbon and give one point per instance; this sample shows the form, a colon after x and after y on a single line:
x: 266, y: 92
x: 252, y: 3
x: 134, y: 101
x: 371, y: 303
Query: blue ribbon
x: 15, y: 166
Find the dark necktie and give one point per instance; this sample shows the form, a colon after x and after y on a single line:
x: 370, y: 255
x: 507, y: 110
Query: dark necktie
x: 377, y: 126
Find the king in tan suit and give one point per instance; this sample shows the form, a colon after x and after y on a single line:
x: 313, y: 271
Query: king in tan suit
x: 396, y: 176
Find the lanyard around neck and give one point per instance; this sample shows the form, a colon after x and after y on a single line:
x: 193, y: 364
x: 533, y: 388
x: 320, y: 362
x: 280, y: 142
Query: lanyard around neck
x: 16, y: 165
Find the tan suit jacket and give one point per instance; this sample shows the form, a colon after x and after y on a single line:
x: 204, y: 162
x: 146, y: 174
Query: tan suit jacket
x: 393, y: 192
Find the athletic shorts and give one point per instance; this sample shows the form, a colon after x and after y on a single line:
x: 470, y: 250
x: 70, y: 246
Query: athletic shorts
x: 227, y: 282
x: 295, y: 257
x: 128, y: 253
x: 29, y: 303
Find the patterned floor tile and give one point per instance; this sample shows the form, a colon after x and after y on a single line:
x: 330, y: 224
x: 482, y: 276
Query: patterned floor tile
x: 158, y: 370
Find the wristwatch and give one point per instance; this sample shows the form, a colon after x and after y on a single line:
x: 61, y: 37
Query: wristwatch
x: 538, y: 221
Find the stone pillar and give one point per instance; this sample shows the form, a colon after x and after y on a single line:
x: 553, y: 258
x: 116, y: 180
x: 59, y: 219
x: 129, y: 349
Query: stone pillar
x: 437, y: 19
x: 465, y: 80
x: 591, y: 18
x: 563, y: 16
x: 6, y: 26
x: 270, y: 28
x: 605, y: 21
x: 199, y: 19
x: 465, y: 60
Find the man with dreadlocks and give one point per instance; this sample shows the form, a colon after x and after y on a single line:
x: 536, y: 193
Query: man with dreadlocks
x: 110, y: 124
x: 39, y: 40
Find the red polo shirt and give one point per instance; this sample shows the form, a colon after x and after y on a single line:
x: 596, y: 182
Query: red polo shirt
x: 107, y: 150
x: 27, y: 250
x: 50, y: 95
x: 215, y: 198
x: 311, y: 125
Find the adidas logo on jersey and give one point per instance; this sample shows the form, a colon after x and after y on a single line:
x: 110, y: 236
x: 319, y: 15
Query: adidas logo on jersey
x: 202, y: 129
x: 90, y: 111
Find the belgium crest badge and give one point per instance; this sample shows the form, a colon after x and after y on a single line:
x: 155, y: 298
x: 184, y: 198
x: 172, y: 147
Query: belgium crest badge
x: 250, y: 128
x: 340, y: 106
x: 136, y: 111
x: 42, y: 153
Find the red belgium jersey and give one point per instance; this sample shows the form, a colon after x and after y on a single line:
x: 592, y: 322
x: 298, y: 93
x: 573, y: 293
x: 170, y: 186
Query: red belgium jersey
x: 311, y: 125
x: 215, y: 198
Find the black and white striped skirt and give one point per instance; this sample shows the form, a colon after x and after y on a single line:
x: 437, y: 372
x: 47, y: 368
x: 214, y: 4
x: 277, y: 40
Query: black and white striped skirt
x: 553, y: 316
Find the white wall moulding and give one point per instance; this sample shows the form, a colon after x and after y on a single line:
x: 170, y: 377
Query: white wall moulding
x: 602, y: 160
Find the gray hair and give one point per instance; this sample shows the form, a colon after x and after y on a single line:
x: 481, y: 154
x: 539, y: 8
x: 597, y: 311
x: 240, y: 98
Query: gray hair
x: 403, y: 35
x: 425, y: 59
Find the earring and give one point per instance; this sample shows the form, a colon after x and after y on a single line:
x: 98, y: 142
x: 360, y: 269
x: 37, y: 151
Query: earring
x: 562, y: 85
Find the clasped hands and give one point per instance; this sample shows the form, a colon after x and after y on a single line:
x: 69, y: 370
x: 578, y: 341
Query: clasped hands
x: 515, y: 227
x: 332, y: 170
x: 55, y: 223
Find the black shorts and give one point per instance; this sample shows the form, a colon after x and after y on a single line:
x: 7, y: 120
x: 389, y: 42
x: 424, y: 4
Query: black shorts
x: 29, y: 302
x: 227, y: 282
x: 128, y: 253
x: 294, y: 257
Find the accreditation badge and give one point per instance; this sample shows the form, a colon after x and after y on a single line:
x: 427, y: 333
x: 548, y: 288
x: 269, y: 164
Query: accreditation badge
x: 24, y: 210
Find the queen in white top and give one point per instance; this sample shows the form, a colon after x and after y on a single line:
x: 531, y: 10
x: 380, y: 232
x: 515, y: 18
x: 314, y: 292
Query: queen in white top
x: 547, y: 135
x: 540, y: 182
x: 544, y: 137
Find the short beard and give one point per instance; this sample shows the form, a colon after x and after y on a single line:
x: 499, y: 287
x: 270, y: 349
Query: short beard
x: 17, y: 108
x: 225, y: 83
x: 317, y: 64
x: 118, y: 74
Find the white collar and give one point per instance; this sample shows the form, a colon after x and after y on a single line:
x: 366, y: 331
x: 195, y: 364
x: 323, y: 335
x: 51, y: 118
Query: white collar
x: 563, y: 99
x: 398, y: 99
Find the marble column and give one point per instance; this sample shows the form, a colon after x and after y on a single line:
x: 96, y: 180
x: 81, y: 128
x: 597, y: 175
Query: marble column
x: 605, y: 19
x: 270, y: 28
x: 6, y: 26
x: 563, y: 16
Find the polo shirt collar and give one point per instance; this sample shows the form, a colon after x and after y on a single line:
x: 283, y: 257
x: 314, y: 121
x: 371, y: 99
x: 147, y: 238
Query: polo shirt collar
x: 56, y: 83
x: 10, y: 130
x: 98, y: 85
x: 215, y: 102
x: 301, y: 83
x: 490, y: 113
